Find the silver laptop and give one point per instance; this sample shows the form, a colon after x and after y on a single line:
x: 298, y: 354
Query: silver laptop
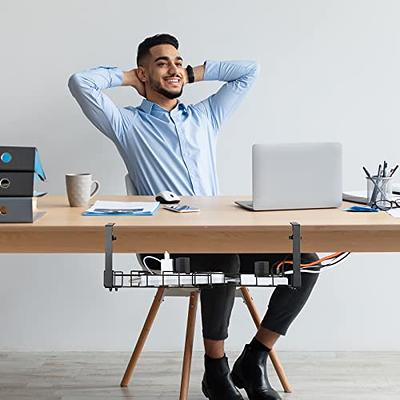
x: 296, y: 176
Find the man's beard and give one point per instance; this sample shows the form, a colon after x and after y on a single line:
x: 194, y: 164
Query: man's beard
x: 169, y: 95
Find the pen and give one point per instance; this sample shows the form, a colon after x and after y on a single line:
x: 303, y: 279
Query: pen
x: 384, y: 169
x: 376, y: 187
x: 366, y: 172
x: 393, y: 170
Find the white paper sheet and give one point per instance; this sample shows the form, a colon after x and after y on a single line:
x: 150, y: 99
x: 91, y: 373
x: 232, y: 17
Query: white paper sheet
x: 394, y: 212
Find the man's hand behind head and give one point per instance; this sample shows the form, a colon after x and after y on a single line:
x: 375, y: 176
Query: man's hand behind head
x: 131, y: 78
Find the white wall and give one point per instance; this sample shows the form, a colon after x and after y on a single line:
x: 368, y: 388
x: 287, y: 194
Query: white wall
x: 330, y: 71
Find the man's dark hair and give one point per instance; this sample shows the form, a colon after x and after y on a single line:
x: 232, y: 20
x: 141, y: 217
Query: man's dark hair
x: 148, y: 43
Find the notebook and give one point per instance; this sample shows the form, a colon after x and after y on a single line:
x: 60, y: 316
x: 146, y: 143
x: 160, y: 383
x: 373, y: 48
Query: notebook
x: 360, y: 196
x: 121, y: 208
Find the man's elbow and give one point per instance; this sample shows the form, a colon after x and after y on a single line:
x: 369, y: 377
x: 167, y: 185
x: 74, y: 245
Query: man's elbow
x: 78, y: 82
x: 74, y: 82
x: 252, y: 72
x: 255, y: 69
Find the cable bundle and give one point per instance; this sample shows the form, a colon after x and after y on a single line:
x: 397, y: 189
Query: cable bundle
x: 314, y: 267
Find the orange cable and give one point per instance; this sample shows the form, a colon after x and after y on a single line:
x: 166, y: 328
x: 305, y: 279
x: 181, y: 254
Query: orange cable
x: 328, y: 257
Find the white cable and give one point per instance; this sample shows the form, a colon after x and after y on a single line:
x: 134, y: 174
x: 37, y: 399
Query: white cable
x: 302, y: 271
x: 145, y: 265
x: 312, y: 272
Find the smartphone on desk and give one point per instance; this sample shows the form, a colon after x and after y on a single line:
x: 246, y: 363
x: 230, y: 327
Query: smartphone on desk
x: 181, y: 208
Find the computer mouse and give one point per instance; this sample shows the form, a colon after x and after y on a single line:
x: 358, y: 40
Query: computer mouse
x: 167, y: 197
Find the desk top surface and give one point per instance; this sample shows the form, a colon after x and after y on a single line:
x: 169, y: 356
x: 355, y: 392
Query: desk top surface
x: 215, y: 212
x: 219, y: 227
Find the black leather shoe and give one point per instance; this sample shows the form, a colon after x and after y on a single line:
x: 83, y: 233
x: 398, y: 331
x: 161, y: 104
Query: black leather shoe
x: 250, y: 373
x: 217, y: 382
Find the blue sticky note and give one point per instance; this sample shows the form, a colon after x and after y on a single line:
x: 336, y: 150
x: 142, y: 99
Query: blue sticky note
x: 39, y: 172
x: 361, y: 209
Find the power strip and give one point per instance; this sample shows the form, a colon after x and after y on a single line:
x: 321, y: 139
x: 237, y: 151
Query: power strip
x: 193, y: 280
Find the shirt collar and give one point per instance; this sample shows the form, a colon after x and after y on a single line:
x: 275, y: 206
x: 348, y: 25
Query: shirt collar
x: 147, y: 106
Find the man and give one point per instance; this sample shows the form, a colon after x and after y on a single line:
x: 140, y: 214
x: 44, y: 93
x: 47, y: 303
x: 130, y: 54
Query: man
x: 167, y: 145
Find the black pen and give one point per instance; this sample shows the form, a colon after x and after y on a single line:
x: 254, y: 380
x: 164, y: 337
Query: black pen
x: 393, y: 170
x: 366, y: 172
x: 384, y: 169
x: 376, y: 188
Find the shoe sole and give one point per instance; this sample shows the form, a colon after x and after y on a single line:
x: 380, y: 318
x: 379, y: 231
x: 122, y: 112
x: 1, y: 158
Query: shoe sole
x: 239, y: 384
x: 205, y: 391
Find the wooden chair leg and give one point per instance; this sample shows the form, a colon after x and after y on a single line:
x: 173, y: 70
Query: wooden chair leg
x: 273, y: 356
x: 187, y: 357
x: 158, y: 298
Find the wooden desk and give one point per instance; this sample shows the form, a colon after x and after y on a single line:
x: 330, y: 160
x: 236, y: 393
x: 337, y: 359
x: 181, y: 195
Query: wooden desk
x: 220, y: 227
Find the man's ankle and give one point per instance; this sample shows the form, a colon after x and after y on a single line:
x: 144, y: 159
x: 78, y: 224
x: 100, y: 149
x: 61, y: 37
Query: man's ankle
x: 211, y: 359
x: 214, y: 348
x: 215, y: 367
x: 257, y: 345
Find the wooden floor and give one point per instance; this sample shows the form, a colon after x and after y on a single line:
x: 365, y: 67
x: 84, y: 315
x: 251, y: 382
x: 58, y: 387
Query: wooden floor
x: 96, y: 375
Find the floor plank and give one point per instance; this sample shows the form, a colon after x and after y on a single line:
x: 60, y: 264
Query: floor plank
x: 96, y: 376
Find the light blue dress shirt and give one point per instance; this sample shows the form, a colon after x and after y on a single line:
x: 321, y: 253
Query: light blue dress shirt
x: 164, y: 150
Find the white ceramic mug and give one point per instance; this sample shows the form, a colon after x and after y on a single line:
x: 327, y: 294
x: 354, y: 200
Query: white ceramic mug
x: 79, y: 189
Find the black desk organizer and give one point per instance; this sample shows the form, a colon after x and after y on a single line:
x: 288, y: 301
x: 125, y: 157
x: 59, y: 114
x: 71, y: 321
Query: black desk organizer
x: 18, y: 168
x: 263, y: 276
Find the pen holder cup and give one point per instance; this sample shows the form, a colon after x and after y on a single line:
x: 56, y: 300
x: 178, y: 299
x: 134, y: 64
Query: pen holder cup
x: 379, y: 189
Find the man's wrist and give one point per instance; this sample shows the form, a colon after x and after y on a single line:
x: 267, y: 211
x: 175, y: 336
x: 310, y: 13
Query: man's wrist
x: 129, y: 78
x: 198, y: 73
x: 190, y: 74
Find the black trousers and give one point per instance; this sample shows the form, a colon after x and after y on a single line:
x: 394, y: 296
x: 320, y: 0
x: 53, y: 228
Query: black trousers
x: 217, y: 302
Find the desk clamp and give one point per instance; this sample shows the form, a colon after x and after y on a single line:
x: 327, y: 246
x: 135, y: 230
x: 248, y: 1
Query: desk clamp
x: 111, y: 276
x: 108, y: 271
x: 296, y: 238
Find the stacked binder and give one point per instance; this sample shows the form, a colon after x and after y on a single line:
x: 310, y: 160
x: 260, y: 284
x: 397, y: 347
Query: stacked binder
x: 19, y: 168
